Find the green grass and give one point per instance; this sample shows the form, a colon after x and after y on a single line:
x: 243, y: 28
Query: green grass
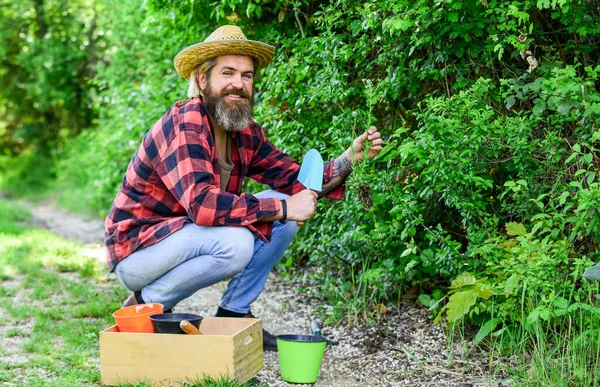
x: 54, y: 301
x: 206, y: 381
x: 562, y: 359
x: 563, y: 351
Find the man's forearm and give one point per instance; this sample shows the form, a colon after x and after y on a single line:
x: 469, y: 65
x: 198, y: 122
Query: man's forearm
x: 342, y: 166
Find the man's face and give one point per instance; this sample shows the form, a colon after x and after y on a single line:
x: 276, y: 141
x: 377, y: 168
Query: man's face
x: 228, y: 91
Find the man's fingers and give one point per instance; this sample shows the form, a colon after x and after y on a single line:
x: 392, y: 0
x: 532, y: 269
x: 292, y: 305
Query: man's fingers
x: 300, y: 224
x: 374, y: 136
x: 362, y: 137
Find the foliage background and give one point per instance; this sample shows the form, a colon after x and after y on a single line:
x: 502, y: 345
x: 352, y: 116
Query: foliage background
x: 485, y: 198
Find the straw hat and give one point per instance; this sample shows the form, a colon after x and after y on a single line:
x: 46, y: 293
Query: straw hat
x: 225, y: 40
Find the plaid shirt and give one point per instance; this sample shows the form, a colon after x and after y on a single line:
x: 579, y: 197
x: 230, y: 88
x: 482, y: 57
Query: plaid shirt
x: 174, y: 179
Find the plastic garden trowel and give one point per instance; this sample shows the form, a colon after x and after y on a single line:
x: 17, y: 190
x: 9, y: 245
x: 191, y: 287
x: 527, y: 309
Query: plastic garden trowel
x: 311, y: 171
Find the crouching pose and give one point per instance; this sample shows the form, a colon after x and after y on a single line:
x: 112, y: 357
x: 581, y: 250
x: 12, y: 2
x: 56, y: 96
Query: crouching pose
x: 180, y: 221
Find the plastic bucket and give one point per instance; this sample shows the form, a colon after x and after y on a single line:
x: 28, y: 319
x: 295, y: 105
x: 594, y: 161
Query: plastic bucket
x: 135, y: 318
x: 169, y: 322
x: 300, y: 357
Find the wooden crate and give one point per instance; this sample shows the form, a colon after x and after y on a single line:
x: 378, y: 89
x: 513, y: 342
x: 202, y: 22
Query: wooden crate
x: 228, y: 345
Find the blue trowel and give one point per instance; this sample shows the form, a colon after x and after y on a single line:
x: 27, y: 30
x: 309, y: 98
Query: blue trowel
x: 311, y: 171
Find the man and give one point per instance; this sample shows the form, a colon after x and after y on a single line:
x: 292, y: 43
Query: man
x: 180, y: 221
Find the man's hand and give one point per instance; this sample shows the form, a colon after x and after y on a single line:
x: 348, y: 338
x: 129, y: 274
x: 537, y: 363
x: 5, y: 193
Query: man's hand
x: 301, y: 206
x: 358, y: 145
x: 342, y: 165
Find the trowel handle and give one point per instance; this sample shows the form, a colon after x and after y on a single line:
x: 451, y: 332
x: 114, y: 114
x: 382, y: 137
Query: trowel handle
x: 316, y: 329
x: 188, y: 328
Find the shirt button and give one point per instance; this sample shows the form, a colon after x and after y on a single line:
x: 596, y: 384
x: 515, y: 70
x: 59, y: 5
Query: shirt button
x: 245, y: 222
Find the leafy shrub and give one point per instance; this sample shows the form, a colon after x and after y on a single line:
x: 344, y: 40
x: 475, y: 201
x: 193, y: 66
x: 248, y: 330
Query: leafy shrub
x: 488, y: 109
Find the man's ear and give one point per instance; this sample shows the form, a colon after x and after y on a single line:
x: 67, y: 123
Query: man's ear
x: 201, y: 80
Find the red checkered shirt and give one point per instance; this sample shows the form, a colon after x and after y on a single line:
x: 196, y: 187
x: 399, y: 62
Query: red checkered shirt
x: 174, y: 179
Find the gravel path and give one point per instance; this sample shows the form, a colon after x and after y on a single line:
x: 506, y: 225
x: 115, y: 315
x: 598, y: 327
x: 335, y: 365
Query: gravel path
x: 404, y: 349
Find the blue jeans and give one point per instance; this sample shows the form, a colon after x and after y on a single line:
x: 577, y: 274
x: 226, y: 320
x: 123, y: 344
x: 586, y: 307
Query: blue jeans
x: 195, y: 257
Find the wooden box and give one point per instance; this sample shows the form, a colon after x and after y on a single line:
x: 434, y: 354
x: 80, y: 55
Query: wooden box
x: 228, y: 345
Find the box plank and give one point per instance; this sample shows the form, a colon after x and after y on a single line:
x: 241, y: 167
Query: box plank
x: 246, y: 344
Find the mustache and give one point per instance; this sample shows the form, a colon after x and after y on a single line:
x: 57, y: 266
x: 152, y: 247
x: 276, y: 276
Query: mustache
x: 233, y: 90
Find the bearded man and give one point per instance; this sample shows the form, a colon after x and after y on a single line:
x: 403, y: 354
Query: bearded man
x: 180, y: 221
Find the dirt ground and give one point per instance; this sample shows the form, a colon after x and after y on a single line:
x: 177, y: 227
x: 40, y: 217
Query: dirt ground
x: 404, y: 349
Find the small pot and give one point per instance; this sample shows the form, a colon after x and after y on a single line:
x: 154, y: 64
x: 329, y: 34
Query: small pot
x: 169, y: 322
x: 300, y: 357
x: 134, y: 318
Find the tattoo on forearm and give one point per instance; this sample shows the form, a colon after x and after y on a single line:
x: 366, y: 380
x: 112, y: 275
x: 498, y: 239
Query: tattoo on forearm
x: 341, y: 167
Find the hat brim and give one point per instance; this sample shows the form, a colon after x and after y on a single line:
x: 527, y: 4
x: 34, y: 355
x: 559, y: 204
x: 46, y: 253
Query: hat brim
x: 191, y: 57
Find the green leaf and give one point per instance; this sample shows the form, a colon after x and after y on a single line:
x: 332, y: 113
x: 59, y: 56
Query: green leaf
x: 411, y: 265
x: 486, y: 329
x: 511, y: 283
x: 539, y: 108
x: 563, y: 198
x: 483, y: 290
x: 579, y: 305
x: 513, y: 228
x: 498, y: 48
x: 571, y: 157
x: 561, y: 303
x: 401, y: 24
x: 510, y: 102
x: 387, y: 149
x: 593, y: 273
x: 425, y: 299
x: 590, y: 177
x: 565, y: 105
x: 533, y: 317
x: 536, y: 85
x: 438, y: 318
x: 559, y: 312
x: 460, y: 303
x: 464, y: 279
x: 406, y: 252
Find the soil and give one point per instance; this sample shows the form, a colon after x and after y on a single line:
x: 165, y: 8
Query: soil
x: 404, y: 348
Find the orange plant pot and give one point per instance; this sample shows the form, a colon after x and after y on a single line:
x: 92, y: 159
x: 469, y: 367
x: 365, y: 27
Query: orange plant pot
x: 135, y: 318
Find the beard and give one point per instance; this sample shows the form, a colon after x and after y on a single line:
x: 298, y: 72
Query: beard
x: 234, y: 116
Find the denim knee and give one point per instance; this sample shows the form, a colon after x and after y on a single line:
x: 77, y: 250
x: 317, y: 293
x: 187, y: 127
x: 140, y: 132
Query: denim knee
x: 236, y: 253
x: 290, y: 228
x: 131, y: 281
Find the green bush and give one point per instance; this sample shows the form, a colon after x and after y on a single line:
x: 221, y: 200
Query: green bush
x: 488, y: 180
x: 29, y: 174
